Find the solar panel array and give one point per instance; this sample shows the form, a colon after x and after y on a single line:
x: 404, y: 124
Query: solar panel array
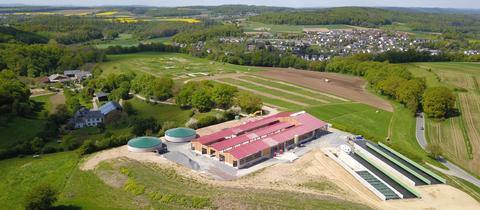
x: 377, y: 184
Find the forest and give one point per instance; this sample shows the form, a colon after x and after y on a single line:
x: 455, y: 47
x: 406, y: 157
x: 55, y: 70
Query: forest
x: 375, y: 17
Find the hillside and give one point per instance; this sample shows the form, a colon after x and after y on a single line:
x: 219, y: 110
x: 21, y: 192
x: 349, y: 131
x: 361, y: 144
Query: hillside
x: 10, y: 34
x: 374, y: 17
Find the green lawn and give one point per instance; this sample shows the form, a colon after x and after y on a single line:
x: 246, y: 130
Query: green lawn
x: 44, y: 101
x: 175, y: 64
x: 161, y: 112
x: 356, y: 118
x: 19, y: 175
x: 20, y: 129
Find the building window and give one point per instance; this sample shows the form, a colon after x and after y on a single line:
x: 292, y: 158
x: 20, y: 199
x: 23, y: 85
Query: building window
x: 235, y: 163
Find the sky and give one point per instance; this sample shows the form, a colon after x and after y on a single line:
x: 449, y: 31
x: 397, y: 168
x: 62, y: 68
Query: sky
x: 287, y: 3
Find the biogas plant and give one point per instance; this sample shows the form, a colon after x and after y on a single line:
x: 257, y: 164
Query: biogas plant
x: 252, y: 144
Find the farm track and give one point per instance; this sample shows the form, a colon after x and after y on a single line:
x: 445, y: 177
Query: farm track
x: 349, y: 87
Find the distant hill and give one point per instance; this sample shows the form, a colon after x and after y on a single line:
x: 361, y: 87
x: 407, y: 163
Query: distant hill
x: 10, y: 34
x: 415, y: 18
x: 435, y: 10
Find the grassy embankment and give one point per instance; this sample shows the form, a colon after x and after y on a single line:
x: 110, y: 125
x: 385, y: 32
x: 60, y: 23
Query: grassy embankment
x: 127, y: 184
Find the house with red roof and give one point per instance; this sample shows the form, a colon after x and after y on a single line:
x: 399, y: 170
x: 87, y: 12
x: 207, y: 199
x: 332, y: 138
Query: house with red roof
x: 254, y: 141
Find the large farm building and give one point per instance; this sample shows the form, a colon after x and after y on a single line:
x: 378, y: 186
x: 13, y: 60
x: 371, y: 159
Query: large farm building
x: 251, y: 142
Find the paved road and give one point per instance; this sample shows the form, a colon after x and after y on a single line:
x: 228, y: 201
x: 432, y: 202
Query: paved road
x: 420, y: 132
x: 453, y: 169
x: 153, y: 100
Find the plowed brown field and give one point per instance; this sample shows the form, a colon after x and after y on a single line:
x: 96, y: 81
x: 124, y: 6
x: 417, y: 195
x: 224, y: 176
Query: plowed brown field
x: 349, y: 87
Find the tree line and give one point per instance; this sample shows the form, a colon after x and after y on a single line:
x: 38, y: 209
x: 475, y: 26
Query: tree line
x: 375, y: 17
x: 45, y: 59
x: 397, y: 83
x: 206, y: 95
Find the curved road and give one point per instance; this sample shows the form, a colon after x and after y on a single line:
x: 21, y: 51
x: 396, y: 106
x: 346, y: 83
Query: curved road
x: 453, y: 169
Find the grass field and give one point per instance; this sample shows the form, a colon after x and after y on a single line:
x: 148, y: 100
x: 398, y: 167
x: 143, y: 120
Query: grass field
x: 161, y: 112
x: 458, y: 136
x: 20, y: 129
x: 128, y: 184
x: 404, y: 28
x: 175, y: 64
x: 356, y: 118
x: 127, y: 40
x: 250, y: 26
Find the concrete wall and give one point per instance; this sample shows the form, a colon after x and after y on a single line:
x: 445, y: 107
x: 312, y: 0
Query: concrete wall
x: 175, y: 139
x: 135, y: 149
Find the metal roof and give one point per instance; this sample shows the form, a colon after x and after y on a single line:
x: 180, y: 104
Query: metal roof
x: 249, y: 136
x: 249, y: 126
x: 108, y: 107
x: 248, y: 149
x: 308, y: 123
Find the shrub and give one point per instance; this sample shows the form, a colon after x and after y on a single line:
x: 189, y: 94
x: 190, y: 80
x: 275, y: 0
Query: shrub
x: 206, y: 121
x: 140, y: 126
x: 165, y: 126
x: 41, y: 197
x: 192, y: 123
x: 49, y: 149
x: 87, y: 147
x: 133, y: 187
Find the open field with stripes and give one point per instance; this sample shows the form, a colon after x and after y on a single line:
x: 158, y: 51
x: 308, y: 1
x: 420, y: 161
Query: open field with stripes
x: 459, y: 136
x: 176, y: 64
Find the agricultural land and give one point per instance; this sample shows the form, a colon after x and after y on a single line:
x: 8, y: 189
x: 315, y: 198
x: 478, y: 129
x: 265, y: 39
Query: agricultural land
x: 459, y: 135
